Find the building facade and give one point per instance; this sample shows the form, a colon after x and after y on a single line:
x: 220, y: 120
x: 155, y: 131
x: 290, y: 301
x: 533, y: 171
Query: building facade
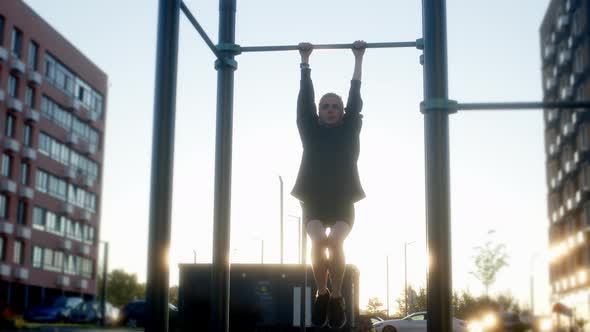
x: 52, y: 122
x: 565, y: 47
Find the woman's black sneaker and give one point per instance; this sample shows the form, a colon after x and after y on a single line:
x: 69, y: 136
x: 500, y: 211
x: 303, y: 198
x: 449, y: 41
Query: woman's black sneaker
x: 319, y: 315
x: 336, y: 313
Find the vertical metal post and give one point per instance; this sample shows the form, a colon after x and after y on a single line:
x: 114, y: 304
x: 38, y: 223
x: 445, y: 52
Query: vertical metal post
x: 436, y: 140
x: 281, y: 218
x: 162, y: 166
x: 103, y: 293
x: 387, y: 276
x: 303, y: 306
x: 223, y: 161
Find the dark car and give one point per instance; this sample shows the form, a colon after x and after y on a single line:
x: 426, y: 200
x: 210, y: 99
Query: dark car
x: 55, y: 310
x: 134, y: 314
x: 90, y: 312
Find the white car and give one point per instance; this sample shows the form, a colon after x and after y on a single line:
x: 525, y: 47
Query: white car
x: 415, y: 322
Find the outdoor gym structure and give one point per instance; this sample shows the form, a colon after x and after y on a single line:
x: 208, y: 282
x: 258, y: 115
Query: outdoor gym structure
x: 436, y: 108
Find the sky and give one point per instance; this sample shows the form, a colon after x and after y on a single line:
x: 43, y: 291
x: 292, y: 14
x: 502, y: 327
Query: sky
x: 497, y: 158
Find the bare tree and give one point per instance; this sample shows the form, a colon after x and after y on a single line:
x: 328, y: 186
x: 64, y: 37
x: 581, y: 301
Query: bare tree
x: 489, y: 260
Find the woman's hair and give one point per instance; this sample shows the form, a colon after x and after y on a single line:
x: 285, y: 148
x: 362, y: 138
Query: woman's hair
x: 332, y: 94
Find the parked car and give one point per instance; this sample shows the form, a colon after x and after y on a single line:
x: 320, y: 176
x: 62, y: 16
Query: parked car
x: 134, y: 314
x: 90, y: 312
x: 415, y: 322
x: 55, y: 310
x: 366, y: 323
x: 504, y: 321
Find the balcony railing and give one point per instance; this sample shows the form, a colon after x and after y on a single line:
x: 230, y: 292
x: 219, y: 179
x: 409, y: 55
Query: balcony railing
x: 27, y: 192
x: 63, y: 281
x: 29, y: 153
x: 35, y: 77
x: 6, y: 228
x: 23, y: 232
x: 11, y: 144
x: 16, y: 65
x: 32, y: 115
x: 14, y: 104
x: 20, y: 273
x: 4, y: 270
x: 3, y: 54
x: 8, y: 186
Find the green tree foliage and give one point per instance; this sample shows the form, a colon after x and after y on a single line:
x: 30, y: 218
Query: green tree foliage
x: 489, y: 260
x: 375, y: 306
x: 122, y: 288
x: 465, y: 305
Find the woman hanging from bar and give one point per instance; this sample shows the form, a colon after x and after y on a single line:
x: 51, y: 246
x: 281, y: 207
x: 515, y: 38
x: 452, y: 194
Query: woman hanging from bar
x: 328, y: 183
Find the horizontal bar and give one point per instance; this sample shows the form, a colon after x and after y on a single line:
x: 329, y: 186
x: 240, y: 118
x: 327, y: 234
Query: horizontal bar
x: 522, y: 105
x: 200, y: 30
x: 325, y: 46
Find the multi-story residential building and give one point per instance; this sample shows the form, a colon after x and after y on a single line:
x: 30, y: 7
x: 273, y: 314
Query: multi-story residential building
x: 52, y: 121
x: 565, y: 52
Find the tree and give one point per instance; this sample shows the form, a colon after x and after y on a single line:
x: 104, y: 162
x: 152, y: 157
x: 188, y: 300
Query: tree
x: 122, y: 288
x: 416, y: 301
x: 375, y: 306
x: 490, y: 259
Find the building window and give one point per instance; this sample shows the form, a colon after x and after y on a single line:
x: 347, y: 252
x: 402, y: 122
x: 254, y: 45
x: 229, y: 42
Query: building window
x: 6, y: 163
x: 30, y: 97
x: 47, y: 259
x: 9, y: 129
x: 33, y: 54
x: 24, y: 174
x: 41, y: 181
x: 37, y: 257
x: 2, y: 241
x: 17, y: 41
x: 38, y: 218
x: 21, y: 215
x: 28, y: 135
x: 52, y: 223
x: 3, y: 206
x: 13, y: 86
x: 2, y: 30
x: 18, y: 252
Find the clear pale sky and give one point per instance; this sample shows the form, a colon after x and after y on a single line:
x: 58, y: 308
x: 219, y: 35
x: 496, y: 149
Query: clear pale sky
x: 497, y: 159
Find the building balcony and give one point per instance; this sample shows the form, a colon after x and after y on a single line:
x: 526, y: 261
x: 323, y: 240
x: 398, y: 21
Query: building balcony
x: 70, y: 172
x: 20, y: 273
x: 570, y: 5
x: 73, y: 139
x: 16, y: 65
x: 35, y: 77
x: 552, y: 115
x: 82, y: 284
x: 3, y: 54
x: 548, y: 52
x: 29, y: 153
x: 63, y: 281
x: 74, y: 104
x: 26, y: 192
x: 550, y: 84
x: 14, y: 104
x: 6, y: 228
x: 65, y: 244
x: 570, y: 166
x: 562, y: 22
x: 568, y: 129
x: 2, y: 95
x: 564, y: 57
x: 84, y: 249
x: 8, y: 186
x: 66, y: 208
x: 89, y: 181
x: 23, y: 232
x: 566, y: 92
x: 11, y: 144
x: 87, y: 148
x: 32, y: 115
x: 85, y: 215
x: 4, y: 270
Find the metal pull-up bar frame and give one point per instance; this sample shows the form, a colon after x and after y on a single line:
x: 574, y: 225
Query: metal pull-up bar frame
x: 436, y: 109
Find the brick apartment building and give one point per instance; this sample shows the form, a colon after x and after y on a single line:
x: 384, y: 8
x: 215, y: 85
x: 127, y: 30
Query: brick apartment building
x: 52, y: 121
x: 565, y: 47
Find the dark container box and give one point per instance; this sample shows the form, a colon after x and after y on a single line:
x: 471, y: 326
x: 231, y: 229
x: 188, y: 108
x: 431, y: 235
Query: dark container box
x: 262, y: 297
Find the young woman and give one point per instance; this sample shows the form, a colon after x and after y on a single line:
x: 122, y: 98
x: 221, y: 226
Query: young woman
x: 328, y: 183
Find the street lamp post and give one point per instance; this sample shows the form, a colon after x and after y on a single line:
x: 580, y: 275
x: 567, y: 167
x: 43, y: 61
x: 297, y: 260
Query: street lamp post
x: 532, y: 281
x: 281, y: 217
x: 387, y: 276
x: 103, y: 294
x: 299, y: 240
x: 406, y: 274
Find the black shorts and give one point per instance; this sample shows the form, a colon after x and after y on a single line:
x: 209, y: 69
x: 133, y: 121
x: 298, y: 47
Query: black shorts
x: 328, y: 212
